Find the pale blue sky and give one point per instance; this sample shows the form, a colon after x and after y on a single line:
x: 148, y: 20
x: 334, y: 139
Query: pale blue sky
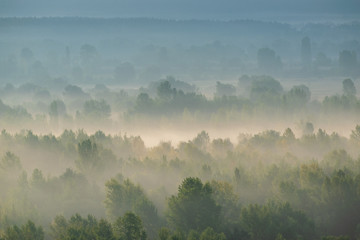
x: 184, y: 9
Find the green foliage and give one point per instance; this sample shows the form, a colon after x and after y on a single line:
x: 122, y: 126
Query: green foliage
x: 220, y: 147
x: 14, y: 233
x: 57, y: 109
x: 97, y: 110
x: 191, y: 152
x: 193, y: 207
x: 80, y: 228
x: 121, y: 197
x: 13, y: 115
x: 349, y: 87
x: 59, y: 228
x: 224, y: 89
x: 297, y: 97
x: 28, y: 231
x: 164, y: 91
x: 355, y: 134
x: 37, y: 178
x: 202, y: 141
x: 266, y: 139
x: 180, y: 85
x: 73, y: 91
x: 129, y: 227
x: 265, y: 87
x: 124, y: 197
x: 93, y: 157
x: 340, y: 194
x: 143, y: 103
x: 10, y: 163
x: 177, y: 235
x: 104, y: 231
x: 88, y: 155
x: 267, y: 98
x: 193, y: 235
x: 226, y: 198
x: 164, y: 233
x: 267, y: 221
x: 279, y: 237
x: 288, y: 136
x: 337, y: 159
x: 335, y: 238
x: 210, y: 234
x: 318, y: 174
x: 308, y: 128
x: 169, y: 100
x: 343, y: 103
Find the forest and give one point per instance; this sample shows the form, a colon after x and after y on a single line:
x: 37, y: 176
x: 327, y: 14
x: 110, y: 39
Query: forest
x: 269, y: 185
x: 264, y: 185
x: 134, y: 128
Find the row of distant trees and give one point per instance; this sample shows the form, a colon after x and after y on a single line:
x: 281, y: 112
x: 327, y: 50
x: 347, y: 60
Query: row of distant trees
x: 169, y: 98
x: 262, y: 91
x: 87, y: 62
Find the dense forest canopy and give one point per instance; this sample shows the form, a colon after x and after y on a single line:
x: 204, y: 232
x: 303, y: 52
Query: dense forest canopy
x: 249, y: 188
x: 177, y: 125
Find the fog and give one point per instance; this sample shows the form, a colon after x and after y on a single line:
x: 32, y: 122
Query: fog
x: 179, y: 119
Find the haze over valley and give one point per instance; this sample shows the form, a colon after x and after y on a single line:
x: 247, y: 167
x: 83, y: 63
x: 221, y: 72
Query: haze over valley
x: 179, y: 119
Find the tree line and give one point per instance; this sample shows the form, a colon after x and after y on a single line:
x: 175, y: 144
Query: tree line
x: 268, y: 185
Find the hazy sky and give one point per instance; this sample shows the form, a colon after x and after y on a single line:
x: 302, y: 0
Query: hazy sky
x: 184, y: 9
